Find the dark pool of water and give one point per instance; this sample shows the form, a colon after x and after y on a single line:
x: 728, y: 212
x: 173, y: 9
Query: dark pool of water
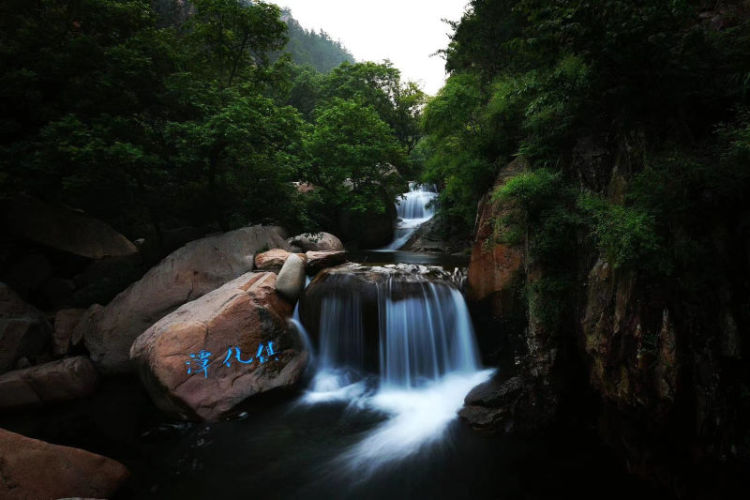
x: 286, y: 450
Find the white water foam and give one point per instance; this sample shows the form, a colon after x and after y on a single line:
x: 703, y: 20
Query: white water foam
x: 429, y: 361
x: 417, y: 418
x: 414, y: 209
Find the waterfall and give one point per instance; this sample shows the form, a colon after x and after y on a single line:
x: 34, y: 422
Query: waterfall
x: 341, y: 333
x: 425, y: 336
x: 424, y: 350
x: 414, y: 208
x: 416, y: 204
x: 302, y: 332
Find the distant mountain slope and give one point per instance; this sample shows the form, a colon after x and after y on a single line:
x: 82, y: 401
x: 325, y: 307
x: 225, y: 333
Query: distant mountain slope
x: 318, y: 50
x: 306, y: 47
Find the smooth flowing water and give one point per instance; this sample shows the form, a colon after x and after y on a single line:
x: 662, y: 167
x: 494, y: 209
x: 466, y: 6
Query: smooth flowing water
x: 427, y: 361
x: 390, y: 432
x: 376, y: 419
x: 414, y: 209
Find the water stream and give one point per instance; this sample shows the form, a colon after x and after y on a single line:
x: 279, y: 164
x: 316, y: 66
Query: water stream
x: 393, y: 356
x: 414, y: 209
x: 427, y: 360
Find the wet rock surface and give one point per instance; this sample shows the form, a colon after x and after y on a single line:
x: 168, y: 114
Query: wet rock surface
x: 33, y: 469
x: 274, y: 259
x: 62, y: 380
x: 213, y: 353
x: 186, y: 274
x: 317, y: 261
x: 495, y: 266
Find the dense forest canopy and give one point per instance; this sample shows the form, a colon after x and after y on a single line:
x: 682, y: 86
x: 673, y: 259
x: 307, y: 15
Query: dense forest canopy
x: 614, y: 133
x: 159, y: 116
x: 664, y: 83
x: 309, y: 48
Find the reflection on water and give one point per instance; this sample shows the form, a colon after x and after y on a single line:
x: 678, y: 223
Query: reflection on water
x: 321, y: 451
x: 290, y: 449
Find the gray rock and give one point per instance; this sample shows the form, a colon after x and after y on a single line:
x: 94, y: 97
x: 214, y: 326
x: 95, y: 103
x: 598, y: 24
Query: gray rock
x: 291, y: 280
x: 35, y: 469
x: 186, y: 274
x: 62, y: 380
x: 24, y: 331
x: 317, y: 261
x: 65, y: 229
x: 316, y: 241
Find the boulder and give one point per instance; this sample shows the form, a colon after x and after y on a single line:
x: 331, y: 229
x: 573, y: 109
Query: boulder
x: 316, y: 241
x: 504, y: 405
x: 291, y: 279
x: 66, y: 321
x: 65, y: 229
x: 62, y: 380
x: 33, y: 469
x: 428, y: 239
x: 186, y: 274
x: 211, y: 354
x: 24, y: 331
x: 101, y: 280
x: 494, y: 392
x: 272, y: 260
x: 317, y: 261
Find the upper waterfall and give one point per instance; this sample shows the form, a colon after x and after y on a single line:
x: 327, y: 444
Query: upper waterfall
x: 414, y: 208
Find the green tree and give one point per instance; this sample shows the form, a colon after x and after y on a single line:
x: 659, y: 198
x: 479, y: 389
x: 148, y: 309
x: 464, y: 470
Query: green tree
x: 351, y: 150
x: 379, y: 85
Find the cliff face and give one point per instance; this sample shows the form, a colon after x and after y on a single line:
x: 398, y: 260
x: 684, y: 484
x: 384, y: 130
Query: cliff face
x: 665, y: 364
x: 525, y: 395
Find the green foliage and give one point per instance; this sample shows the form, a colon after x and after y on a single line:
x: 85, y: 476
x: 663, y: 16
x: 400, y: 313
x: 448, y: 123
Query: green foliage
x: 350, y: 151
x: 245, y: 151
x: 455, y: 139
x: 533, y: 192
x: 316, y: 50
x: 627, y: 236
x: 379, y: 85
x: 543, y: 215
x: 531, y: 77
x: 155, y: 119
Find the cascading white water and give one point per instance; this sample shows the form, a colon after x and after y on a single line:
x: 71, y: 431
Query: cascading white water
x: 414, y: 209
x: 302, y: 331
x: 425, y: 336
x: 416, y: 204
x: 341, y: 334
x: 428, y: 361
